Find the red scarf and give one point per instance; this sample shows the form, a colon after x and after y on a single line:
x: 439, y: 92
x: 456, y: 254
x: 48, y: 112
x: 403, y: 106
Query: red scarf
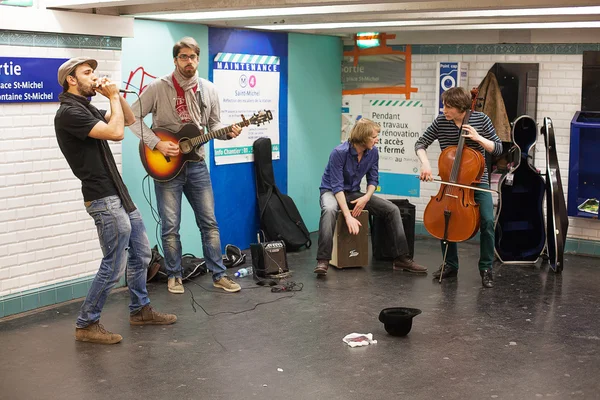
x: 180, y: 103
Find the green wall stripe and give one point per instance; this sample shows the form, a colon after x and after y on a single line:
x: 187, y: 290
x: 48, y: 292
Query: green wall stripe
x: 505, y: 48
x: 60, y: 40
x: 28, y: 300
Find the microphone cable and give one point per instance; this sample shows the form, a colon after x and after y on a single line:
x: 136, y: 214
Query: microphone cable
x: 146, y: 184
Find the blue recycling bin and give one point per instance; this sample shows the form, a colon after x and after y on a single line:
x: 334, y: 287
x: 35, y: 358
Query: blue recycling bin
x: 584, y: 162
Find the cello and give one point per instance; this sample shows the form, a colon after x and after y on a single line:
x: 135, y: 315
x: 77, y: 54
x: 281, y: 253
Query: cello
x: 452, y: 215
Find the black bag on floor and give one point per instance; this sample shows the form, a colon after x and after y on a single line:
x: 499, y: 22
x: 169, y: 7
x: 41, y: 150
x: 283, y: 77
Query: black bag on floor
x: 279, y: 216
x: 191, y: 265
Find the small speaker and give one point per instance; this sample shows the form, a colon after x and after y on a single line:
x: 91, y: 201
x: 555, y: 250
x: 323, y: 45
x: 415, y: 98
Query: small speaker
x: 269, y: 260
x: 350, y: 250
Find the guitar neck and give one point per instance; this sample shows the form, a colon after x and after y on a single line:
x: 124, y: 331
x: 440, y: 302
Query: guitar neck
x: 215, y: 134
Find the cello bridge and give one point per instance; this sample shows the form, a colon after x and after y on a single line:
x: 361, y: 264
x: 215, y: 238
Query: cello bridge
x: 451, y: 195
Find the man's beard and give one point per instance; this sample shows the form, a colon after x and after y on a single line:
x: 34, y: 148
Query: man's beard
x: 85, y: 90
x: 188, y: 73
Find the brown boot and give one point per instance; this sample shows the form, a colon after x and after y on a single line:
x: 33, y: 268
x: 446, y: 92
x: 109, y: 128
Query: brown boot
x: 95, y: 333
x: 322, y: 267
x: 407, y: 264
x: 147, y: 316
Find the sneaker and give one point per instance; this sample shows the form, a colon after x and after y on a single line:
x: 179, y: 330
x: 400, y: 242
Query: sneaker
x: 227, y: 284
x: 175, y: 285
x: 449, y: 272
x: 322, y: 267
x: 407, y: 264
x: 95, y: 333
x: 147, y: 316
x: 487, y: 278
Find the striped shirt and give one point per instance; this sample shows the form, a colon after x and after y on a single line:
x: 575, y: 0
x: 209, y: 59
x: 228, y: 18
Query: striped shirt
x: 446, y: 132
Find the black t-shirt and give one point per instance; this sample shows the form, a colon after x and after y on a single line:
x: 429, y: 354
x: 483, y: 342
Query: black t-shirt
x: 73, y: 125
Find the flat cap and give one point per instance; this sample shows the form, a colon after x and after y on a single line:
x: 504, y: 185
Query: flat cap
x: 69, y: 66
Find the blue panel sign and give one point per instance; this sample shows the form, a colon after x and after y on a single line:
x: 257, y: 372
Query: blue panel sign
x: 29, y: 80
x: 399, y: 184
x: 449, y: 76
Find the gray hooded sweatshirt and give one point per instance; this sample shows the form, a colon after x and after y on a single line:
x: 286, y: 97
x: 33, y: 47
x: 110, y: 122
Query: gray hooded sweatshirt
x: 159, y: 99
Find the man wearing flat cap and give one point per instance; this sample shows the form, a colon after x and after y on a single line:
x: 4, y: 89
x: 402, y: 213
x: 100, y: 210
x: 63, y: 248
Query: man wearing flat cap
x: 82, y: 132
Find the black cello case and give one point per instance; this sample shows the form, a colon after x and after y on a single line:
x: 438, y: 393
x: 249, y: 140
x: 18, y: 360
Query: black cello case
x: 520, y: 234
x: 557, y: 219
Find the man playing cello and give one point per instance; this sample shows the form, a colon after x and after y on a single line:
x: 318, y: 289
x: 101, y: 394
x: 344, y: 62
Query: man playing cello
x: 481, y: 136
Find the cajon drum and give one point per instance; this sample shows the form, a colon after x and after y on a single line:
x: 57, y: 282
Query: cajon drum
x: 350, y: 250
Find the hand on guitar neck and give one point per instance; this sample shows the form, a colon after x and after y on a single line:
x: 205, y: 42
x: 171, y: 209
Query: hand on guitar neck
x: 170, y: 149
x: 235, y: 131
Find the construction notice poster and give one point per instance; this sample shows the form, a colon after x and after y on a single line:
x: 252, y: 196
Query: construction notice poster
x: 400, y: 122
x: 248, y: 84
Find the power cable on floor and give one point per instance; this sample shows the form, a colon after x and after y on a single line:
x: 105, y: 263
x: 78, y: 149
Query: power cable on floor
x: 194, y: 303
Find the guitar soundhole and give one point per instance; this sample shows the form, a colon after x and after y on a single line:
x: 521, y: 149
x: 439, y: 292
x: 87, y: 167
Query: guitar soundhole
x: 185, y: 145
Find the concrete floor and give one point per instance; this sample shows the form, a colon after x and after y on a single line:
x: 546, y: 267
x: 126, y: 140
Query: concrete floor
x: 535, y: 335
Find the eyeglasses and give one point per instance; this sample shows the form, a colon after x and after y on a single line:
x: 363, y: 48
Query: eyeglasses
x: 185, y: 57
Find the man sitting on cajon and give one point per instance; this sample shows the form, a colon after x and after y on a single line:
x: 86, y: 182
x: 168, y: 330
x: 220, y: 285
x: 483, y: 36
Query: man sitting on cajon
x: 340, y: 189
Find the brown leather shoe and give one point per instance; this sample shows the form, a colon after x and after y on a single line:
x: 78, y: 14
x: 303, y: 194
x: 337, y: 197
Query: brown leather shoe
x: 407, y: 264
x: 147, y: 316
x: 95, y: 333
x: 322, y: 267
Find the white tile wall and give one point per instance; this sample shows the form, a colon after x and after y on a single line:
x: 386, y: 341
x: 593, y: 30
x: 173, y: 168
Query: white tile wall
x: 45, y: 234
x: 559, y: 97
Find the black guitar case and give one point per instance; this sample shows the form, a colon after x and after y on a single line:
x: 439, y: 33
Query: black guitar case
x: 279, y: 216
x: 520, y: 234
x: 557, y: 219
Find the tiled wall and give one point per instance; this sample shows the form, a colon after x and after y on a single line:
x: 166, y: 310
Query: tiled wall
x: 504, y: 49
x: 48, y: 244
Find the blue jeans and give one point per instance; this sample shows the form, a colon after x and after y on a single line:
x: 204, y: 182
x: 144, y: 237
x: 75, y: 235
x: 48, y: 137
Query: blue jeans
x: 121, y: 235
x: 194, y: 182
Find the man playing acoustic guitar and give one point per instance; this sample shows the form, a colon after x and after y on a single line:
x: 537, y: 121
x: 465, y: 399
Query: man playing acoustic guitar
x: 174, y: 100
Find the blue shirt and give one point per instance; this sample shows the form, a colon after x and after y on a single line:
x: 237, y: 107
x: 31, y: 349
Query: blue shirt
x: 344, y: 172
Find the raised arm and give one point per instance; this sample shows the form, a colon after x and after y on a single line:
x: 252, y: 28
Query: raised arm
x: 115, y: 128
x: 140, y: 108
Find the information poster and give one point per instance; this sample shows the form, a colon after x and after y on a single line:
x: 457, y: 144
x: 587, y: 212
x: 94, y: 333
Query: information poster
x: 351, y: 112
x: 248, y: 84
x: 400, y: 122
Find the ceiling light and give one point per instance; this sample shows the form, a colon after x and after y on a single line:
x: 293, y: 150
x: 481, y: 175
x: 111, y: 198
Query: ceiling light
x: 429, y: 24
x: 350, y: 9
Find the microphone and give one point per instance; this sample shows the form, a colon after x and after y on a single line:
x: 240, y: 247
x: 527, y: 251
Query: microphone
x: 120, y: 90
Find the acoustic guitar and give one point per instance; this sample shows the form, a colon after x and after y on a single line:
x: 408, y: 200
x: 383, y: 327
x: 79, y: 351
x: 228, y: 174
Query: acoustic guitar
x: 164, y: 168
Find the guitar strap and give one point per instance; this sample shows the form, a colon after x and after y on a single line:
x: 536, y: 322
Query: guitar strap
x: 202, y: 102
